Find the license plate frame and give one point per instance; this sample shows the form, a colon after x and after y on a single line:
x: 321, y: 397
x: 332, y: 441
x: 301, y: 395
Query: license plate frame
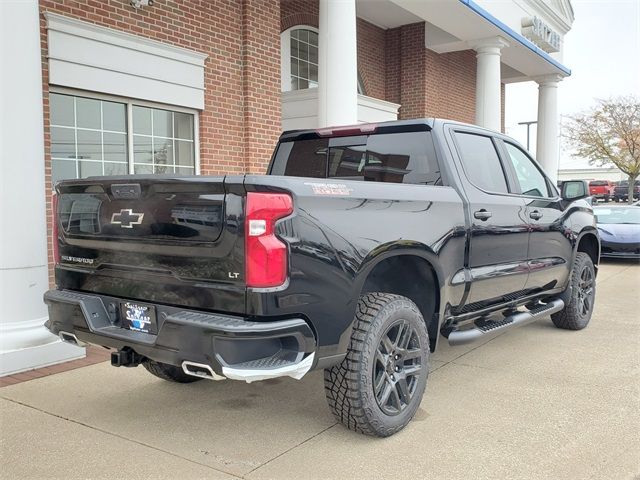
x: 139, y: 317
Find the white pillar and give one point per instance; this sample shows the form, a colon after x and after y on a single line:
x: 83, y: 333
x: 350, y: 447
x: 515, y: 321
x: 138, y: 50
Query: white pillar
x: 24, y: 342
x: 488, y: 91
x: 548, y: 140
x: 338, y: 64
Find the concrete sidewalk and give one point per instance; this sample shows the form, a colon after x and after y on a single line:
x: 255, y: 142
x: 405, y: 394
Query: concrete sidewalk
x: 535, y: 402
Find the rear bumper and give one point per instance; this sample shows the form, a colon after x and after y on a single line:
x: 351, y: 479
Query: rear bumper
x: 233, y: 347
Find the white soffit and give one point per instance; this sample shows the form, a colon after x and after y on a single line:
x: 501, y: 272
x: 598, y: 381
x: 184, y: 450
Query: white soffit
x: 99, y: 59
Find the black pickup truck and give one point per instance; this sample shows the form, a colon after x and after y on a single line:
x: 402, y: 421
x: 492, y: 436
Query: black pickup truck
x: 362, y: 249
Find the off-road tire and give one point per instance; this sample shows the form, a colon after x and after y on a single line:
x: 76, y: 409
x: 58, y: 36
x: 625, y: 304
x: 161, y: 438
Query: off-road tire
x: 349, y: 387
x: 573, y: 316
x: 168, y: 372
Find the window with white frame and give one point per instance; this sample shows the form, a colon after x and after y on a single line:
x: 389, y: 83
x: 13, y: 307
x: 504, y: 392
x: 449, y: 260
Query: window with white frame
x: 299, y: 58
x: 299, y: 53
x: 98, y: 136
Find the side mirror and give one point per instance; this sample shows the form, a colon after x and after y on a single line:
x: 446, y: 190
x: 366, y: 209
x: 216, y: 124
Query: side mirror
x: 574, y: 190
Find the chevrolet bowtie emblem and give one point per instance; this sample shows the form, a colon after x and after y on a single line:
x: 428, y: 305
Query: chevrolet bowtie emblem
x: 126, y: 218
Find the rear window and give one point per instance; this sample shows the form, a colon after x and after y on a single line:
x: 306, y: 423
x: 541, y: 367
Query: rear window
x: 406, y: 157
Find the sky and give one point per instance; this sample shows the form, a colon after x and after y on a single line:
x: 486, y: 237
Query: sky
x: 602, y: 49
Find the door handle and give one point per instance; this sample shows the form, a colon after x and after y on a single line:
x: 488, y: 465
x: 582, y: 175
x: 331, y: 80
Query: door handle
x: 536, y: 215
x: 482, y: 214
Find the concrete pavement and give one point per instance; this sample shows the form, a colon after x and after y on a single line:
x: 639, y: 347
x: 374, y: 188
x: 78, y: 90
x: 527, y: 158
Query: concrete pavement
x: 533, y: 403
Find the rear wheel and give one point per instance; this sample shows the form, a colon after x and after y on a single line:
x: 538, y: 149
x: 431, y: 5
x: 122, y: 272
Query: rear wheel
x: 168, y: 372
x: 579, y: 307
x: 378, y: 387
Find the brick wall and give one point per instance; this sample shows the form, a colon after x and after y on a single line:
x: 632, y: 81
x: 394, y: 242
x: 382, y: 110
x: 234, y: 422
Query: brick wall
x: 240, y: 122
x: 372, y: 58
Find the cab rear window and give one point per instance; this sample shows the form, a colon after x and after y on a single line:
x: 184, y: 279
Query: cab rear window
x: 405, y: 157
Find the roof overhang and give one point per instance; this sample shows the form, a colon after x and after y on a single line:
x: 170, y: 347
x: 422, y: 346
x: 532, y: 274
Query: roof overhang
x: 454, y: 25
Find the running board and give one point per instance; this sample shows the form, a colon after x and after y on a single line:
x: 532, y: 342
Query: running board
x: 479, y: 330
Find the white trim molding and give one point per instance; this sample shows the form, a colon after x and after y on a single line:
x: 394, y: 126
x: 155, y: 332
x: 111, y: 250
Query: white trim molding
x: 99, y: 59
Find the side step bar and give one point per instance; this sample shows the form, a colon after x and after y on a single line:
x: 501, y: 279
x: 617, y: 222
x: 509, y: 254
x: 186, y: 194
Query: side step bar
x: 461, y: 337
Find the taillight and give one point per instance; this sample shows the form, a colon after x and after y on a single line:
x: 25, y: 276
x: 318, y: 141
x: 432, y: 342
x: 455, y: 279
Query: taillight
x: 54, y: 228
x: 266, y: 254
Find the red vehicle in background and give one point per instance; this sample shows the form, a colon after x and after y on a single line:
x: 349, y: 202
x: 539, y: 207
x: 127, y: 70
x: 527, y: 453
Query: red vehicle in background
x: 601, y: 189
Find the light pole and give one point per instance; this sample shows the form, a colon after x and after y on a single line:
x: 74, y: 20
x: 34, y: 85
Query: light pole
x: 528, y: 124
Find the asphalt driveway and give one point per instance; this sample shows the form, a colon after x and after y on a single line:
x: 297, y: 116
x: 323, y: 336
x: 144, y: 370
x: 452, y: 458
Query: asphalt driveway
x: 535, y: 402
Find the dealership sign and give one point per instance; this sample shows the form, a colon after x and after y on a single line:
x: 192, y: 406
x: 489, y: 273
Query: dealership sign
x: 541, y: 34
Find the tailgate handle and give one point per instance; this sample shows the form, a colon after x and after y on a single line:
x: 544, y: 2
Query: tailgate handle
x: 127, y: 191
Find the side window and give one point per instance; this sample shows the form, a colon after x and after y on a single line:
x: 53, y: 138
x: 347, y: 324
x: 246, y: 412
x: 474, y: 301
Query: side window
x: 531, y: 180
x: 481, y: 162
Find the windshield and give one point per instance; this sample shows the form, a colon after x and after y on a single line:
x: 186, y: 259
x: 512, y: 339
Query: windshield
x: 625, y: 215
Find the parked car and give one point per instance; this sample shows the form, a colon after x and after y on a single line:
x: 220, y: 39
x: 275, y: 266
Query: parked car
x: 619, y: 229
x: 361, y: 250
x: 601, y: 189
x: 621, y: 191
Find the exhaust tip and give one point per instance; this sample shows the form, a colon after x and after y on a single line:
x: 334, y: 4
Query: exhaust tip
x: 200, y: 370
x: 71, y: 338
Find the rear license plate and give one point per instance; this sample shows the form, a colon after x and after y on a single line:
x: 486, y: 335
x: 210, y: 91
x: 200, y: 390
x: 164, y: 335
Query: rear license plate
x: 139, y: 317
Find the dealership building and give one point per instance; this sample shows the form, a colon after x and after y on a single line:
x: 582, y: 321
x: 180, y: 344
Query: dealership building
x: 109, y: 87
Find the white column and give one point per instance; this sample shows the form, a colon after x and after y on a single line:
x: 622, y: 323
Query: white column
x: 24, y: 342
x: 548, y: 140
x: 338, y: 64
x: 488, y: 95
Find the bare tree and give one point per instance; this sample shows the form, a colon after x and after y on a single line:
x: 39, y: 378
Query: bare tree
x: 608, y: 133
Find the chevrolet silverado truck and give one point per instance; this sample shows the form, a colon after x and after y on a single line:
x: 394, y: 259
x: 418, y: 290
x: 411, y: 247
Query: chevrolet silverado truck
x: 601, y: 189
x: 362, y: 249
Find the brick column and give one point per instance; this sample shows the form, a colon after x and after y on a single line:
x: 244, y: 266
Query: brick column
x: 261, y: 81
x: 412, y: 72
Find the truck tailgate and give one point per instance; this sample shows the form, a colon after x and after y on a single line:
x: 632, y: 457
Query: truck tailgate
x: 168, y: 240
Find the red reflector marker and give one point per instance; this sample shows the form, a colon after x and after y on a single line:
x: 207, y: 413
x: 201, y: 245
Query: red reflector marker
x: 266, y: 255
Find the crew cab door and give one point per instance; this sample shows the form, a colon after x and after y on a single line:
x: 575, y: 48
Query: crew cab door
x: 550, y: 250
x: 497, y: 258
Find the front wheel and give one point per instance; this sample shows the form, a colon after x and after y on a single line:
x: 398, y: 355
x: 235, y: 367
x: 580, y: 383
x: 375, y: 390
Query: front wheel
x: 579, y: 306
x: 378, y: 387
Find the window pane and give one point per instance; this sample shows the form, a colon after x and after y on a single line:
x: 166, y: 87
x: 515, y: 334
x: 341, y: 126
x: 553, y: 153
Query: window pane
x: 313, y: 73
x: 294, y: 33
x: 294, y: 66
x: 89, y: 144
x: 143, y: 169
x: 115, y: 147
x: 294, y: 48
x: 114, y: 116
x: 163, y: 169
x: 162, y: 123
x: 115, y: 168
x: 303, y: 51
x: 303, y: 69
x: 88, y: 113
x: 62, y: 170
x: 63, y: 142
x: 481, y: 162
x: 185, y: 171
x: 303, y: 84
x: 89, y: 169
x: 61, y: 110
x: 294, y: 83
x: 142, y: 149
x: 183, y: 125
x: 313, y: 55
x: 162, y: 151
x: 313, y: 38
x: 531, y: 181
x: 184, y: 153
x: 142, y: 120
